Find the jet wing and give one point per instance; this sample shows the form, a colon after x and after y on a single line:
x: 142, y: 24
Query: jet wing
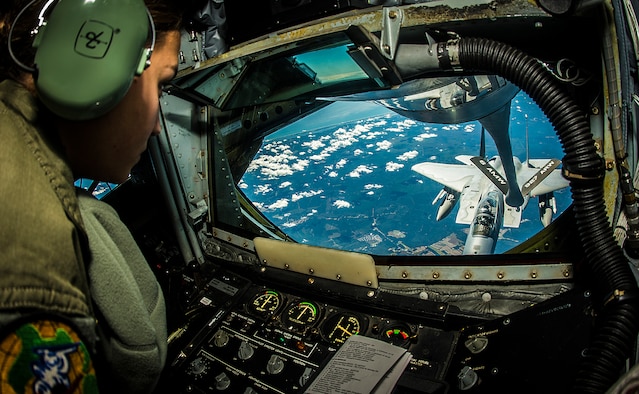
x: 454, y: 176
x: 462, y: 178
x: 542, y: 179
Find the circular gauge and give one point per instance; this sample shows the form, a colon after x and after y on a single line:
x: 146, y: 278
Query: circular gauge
x: 266, y: 303
x: 398, y: 335
x: 339, y: 327
x: 302, y: 313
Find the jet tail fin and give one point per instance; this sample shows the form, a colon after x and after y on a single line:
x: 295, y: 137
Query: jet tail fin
x: 482, y: 142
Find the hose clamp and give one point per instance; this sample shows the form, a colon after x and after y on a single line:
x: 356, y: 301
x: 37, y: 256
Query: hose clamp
x: 581, y: 177
x: 618, y: 296
x: 595, y: 174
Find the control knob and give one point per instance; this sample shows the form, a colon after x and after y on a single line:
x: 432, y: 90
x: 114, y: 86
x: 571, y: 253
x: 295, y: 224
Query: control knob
x: 306, y: 375
x: 275, y: 365
x: 221, y: 338
x: 245, y: 351
x: 198, y: 367
x: 222, y: 381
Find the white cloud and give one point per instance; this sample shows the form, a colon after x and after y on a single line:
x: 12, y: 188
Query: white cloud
x: 300, y: 195
x: 314, y: 145
x: 342, y: 204
x: 362, y: 169
x: 263, y: 189
x: 279, y: 204
x: 285, y: 184
x: 341, y: 163
x: 277, y: 164
x: 451, y: 127
x: 407, y: 155
x: 401, y: 126
x: 424, y: 136
x: 373, y: 134
x: 293, y: 223
x: 384, y: 145
x: 300, y: 165
x: 320, y: 157
x: 391, y: 167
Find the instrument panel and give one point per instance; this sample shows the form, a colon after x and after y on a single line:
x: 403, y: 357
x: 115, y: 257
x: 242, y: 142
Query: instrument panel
x: 253, y: 336
x: 260, y: 339
x: 302, y: 316
x: 333, y: 324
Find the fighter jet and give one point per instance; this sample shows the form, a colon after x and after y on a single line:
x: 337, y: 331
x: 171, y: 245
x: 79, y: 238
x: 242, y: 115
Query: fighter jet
x: 480, y: 187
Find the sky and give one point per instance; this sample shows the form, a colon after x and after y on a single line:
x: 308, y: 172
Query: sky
x: 336, y: 113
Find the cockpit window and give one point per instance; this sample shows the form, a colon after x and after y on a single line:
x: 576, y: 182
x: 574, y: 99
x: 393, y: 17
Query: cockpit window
x: 330, y: 65
x: 299, y: 75
x: 98, y: 189
x: 306, y: 70
x: 323, y: 147
x: 360, y: 176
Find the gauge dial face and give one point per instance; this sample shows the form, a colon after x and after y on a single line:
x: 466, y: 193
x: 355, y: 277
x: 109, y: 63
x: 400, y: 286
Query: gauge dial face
x: 398, y: 335
x: 266, y: 303
x: 340, y: 327
x: 303, y: 313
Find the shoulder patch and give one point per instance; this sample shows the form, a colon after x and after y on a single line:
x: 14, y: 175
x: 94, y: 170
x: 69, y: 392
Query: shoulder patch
x: 45, y: 357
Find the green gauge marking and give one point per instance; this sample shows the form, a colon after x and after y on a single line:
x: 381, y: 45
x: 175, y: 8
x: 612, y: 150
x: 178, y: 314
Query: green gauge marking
x: 303, y: 313
x: 266, y: 302
x: 398, y: 335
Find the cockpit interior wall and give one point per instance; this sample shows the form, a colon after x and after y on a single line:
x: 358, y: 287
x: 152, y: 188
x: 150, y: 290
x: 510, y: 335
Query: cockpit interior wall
x: 270, y: 16
x: 584, y: 169
x: 297, y: 170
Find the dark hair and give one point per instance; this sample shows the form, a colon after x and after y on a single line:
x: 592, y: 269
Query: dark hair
x: 168, y: 15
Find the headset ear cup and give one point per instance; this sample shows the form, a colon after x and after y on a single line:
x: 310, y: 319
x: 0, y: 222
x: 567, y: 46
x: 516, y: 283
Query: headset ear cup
x: 88, y: 54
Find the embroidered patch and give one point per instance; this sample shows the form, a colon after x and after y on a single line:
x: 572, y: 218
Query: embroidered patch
x: 45, y: 357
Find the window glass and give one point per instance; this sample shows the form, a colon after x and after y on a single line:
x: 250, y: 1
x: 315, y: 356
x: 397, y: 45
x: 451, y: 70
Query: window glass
x: 326, y: 71
x: 98, y: 189
x: 343, y: 178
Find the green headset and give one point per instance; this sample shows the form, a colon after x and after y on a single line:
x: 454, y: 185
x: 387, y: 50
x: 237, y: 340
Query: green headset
x: 88, y: 52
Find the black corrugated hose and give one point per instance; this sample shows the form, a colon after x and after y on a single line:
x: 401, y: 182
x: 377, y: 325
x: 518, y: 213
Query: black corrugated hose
x: 617, y: 322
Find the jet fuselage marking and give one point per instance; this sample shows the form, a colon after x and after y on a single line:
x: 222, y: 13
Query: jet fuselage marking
x: 495, y: 177
x: 540, y: 176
